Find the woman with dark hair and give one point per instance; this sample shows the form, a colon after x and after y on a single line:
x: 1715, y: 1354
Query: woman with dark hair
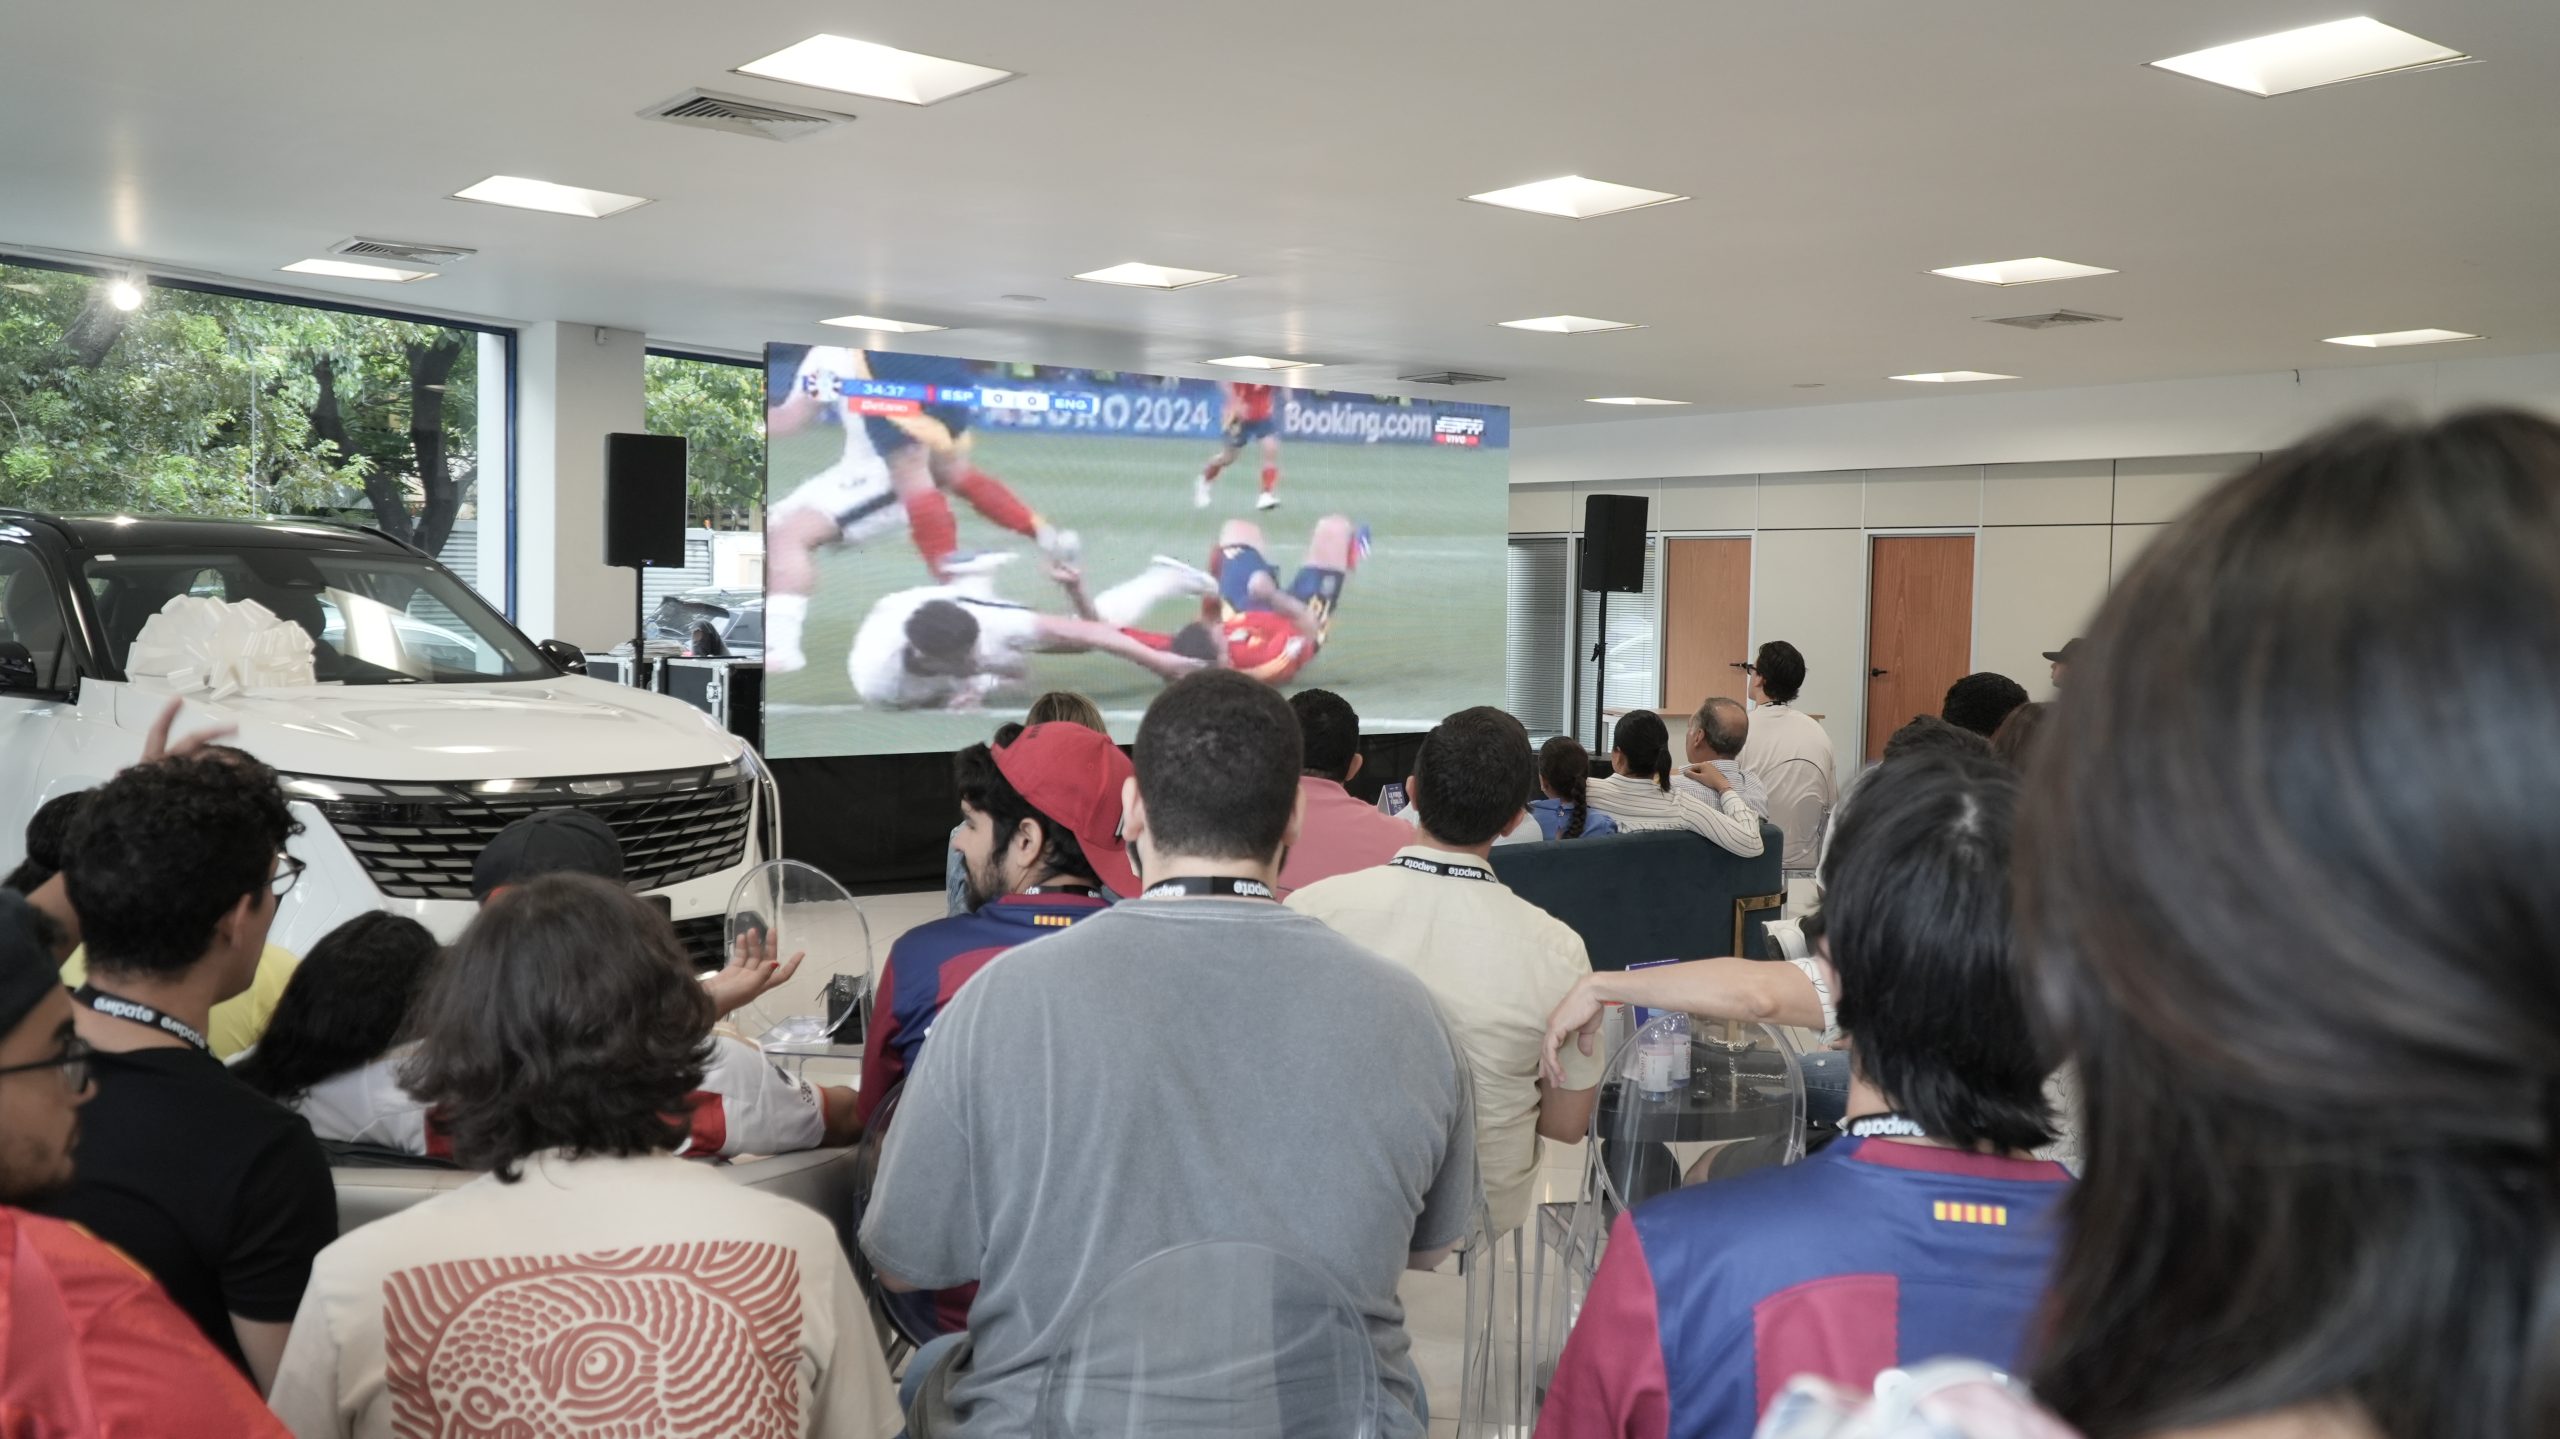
x: 1564, y: 774
x: 1638, y: 794
x: 590, y: 1272
x: 348, y: 1003
x: 1926, y: 1229
x: 2316, y: 1019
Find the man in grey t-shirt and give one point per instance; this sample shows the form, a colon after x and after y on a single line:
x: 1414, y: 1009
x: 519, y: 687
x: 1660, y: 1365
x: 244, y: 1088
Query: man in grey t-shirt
x: 1196, y: 1063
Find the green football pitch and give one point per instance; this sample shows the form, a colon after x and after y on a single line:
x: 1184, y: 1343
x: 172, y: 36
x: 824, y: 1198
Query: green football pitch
x: 1418, y: 632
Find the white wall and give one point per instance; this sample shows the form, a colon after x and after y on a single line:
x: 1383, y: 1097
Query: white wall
x: 2228, y: 414
x: 576, y: 385
x: 2051, y: 538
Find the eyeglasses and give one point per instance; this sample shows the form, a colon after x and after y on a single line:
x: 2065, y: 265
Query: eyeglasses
x: 73, y: 1062
x: 1746, y: 667
x: 289, y: 871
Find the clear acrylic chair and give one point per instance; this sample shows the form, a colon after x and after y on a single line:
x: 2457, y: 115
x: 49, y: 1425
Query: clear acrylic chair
x: 1683, y: 1101
x: 805, y: 912
x: 1226, y: 1338
x: 1497, y: 1394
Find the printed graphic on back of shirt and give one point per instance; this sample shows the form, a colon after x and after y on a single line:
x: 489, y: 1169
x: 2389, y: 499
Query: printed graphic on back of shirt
x: 687, y: 1341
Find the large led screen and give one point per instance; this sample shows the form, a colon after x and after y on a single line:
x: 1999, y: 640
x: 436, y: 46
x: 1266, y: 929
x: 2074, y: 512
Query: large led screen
x: 946, y: 539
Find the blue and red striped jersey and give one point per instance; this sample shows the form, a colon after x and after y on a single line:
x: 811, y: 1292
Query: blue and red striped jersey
x: 930, y: 962
x: 1868, y: 1255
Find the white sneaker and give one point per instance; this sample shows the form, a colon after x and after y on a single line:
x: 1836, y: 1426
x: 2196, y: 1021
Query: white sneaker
x: 1195, y: 580
x: 984, y: 562
x: 1200, y: 493
x: 783, y: 662
x: 1267, y: 500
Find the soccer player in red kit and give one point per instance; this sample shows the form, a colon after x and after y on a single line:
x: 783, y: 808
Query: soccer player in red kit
x: 1253, y: 625
x: 1248, y: 418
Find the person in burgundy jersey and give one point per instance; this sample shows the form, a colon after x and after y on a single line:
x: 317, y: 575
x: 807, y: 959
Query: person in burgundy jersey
x: 1254, y: 626
x: 1925, y: 1230
x: 1248, y: 419
x: 1040, y: 839
x: 90, y: 1348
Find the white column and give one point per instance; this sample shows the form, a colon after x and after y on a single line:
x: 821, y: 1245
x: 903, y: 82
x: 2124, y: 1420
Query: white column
x: 576, y: 384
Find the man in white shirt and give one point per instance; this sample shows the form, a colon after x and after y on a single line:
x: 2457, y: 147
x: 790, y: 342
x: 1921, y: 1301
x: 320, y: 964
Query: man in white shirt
x: 1791, y: 753
x: 1495, y: 963
x: 952, y: 644
x: 1717, y: 733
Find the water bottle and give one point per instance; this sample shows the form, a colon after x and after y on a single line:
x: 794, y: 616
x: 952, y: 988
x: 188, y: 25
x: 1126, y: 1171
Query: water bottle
x: 1655, y: 1063
x: 1680, y: 1049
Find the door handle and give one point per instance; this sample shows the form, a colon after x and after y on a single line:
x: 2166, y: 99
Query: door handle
x: 1875, y: 674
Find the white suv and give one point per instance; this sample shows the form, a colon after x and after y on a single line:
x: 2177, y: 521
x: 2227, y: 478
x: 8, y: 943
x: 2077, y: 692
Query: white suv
x: 405, y: 756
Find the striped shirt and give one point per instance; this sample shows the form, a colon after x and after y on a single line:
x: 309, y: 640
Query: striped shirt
x: 1637, y: 803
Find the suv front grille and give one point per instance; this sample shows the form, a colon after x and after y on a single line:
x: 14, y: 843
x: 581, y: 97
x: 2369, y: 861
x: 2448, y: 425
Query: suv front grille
x: 418, y: 841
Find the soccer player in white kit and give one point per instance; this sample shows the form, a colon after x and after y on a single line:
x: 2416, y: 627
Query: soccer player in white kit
x: 951, y: 645
x: 863, y: 496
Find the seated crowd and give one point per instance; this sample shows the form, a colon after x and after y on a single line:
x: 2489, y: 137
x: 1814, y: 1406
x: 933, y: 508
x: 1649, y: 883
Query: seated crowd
x: 1201, y: 991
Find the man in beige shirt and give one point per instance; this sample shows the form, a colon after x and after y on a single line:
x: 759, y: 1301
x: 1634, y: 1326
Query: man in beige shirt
x: 1495, y: 963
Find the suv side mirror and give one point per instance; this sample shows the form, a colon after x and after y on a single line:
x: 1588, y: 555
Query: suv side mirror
x: 568, y: 657
x: 17, y: 667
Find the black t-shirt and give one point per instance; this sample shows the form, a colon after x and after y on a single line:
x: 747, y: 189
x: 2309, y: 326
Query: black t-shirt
x: 217, y: 1190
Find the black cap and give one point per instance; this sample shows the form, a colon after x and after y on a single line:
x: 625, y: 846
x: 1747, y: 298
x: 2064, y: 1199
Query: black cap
x: 2063, y: 655
x: 547, y: 841
x: 28, y: 970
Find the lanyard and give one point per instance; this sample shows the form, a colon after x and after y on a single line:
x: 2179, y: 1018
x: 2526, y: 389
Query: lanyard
x: 1080, y: 891
x: 140, y: 1013
x: 1209, y: 884
x: 1883, y: 1126
x: 1451, y: 871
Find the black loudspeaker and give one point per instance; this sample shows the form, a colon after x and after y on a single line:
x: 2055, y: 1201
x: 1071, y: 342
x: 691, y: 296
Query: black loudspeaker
x: 644, y: 500
x: 1613, y: 543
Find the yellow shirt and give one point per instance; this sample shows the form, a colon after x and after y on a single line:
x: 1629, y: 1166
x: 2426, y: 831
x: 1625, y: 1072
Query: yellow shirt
x: 237, y: 1021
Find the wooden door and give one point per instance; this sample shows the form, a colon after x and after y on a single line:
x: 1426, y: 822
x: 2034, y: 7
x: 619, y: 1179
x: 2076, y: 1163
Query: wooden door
x: 1706, y: 623
x: 1919, y: 628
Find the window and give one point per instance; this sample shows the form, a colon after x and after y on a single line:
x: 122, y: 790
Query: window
x: 718, y: 406
x: 1634, y: 649
x: 204, y: 402
x: 1536, y: 655
x: 31, y: 617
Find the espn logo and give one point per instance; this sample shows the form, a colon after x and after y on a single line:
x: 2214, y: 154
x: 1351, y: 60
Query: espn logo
x: 1948, y: 1211
x: 1458, y: 425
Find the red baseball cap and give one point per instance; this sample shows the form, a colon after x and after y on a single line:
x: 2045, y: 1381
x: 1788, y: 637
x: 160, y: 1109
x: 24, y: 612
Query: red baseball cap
x: 1074, y: 775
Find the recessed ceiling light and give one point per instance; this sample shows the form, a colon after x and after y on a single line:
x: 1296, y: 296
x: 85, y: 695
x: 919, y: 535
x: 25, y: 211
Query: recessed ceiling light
x: 886, y: 327
x: 881, y: 72
x: 1630, y: 400
x: 1265, y: 362
x: 2034, y: 271
x: 2312, y: 56
x: 1152, y: 277
x: 350, y: 270
x: 524, y: 194
x: 1951, y: 377
x: 1575, y: 198
x: 2389, y: 338
x: 1569, y: 325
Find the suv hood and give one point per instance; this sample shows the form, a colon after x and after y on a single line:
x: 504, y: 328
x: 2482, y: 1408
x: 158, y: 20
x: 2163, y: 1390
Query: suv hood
x: 518, y: 729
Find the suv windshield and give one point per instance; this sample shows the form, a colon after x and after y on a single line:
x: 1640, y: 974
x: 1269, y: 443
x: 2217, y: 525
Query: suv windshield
x: 374, y: 619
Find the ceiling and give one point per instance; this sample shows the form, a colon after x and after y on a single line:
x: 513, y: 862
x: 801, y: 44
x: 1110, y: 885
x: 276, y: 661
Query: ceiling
x: 1836, y: 149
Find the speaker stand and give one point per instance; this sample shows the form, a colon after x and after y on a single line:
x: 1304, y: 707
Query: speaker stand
x: 1600, y: 675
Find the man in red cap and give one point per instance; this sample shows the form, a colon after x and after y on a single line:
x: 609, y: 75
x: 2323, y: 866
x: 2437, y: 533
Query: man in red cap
x: 1040, y: 837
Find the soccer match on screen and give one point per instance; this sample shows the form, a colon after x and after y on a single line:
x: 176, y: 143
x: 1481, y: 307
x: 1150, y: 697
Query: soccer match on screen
x: 945, y: 539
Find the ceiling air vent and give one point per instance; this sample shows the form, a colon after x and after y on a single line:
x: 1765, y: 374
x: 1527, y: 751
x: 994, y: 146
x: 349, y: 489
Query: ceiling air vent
x: 2053, y: 320
x: 710, y: 110
x: 1450, y: 377
x: 406, y: 252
